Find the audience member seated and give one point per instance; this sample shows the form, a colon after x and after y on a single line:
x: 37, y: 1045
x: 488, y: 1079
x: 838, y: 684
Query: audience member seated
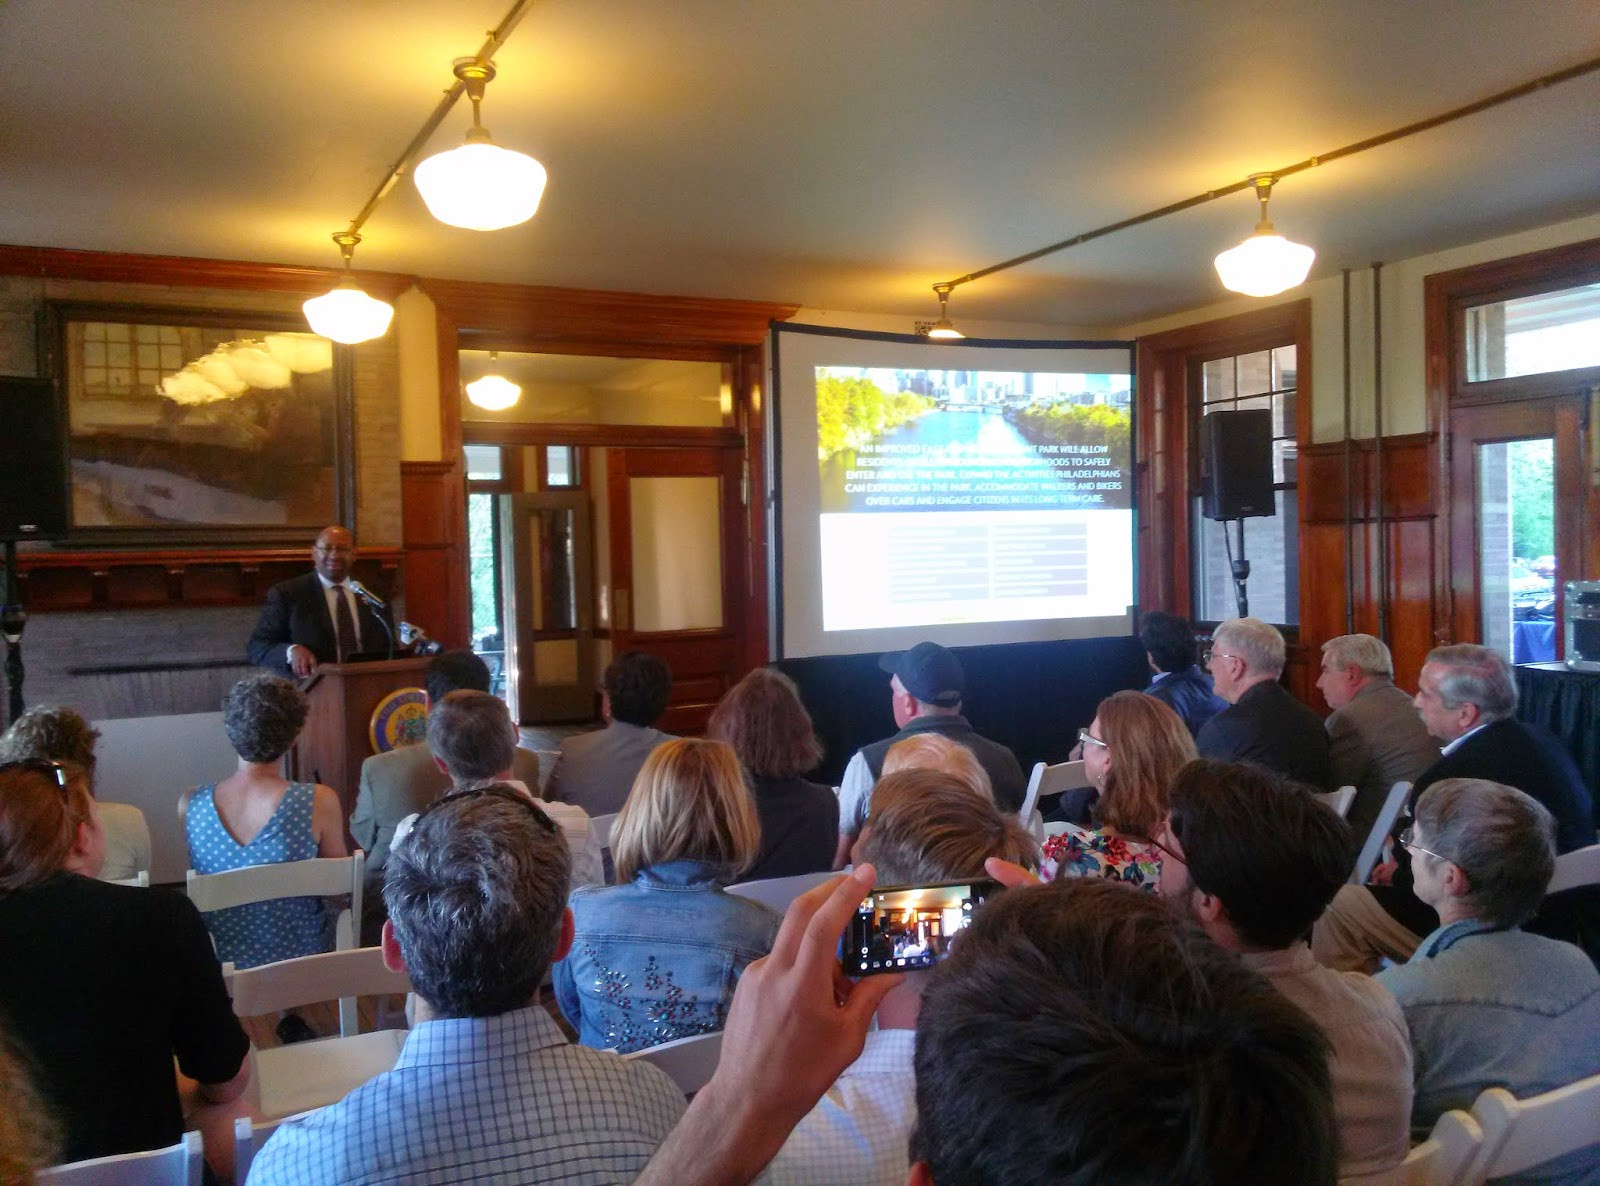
x: 1080, y: 1032
x: 104, y: 986
x: 657, y: 957
x: 63, y: 734
x: 596, y: 770
x: 1131, y: 751
x: 926, y: 826
x: 404, y: 780
x: 1179, y: 681
x: 931, y: 751
x: 764, y: 721
x: 255, y: 816
x: 473, y: 739
x: 1375, y: 737
x: 1466, y: 697
x: 28, y: 1136
x: 925, y: 691
x: 1263, y: 723
x: 1490, y: 1005
x: 1254, y: 860
x: 486, y: 1088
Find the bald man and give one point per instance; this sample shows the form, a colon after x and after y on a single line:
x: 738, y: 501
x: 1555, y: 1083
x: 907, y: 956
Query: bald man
x: 317, y: 618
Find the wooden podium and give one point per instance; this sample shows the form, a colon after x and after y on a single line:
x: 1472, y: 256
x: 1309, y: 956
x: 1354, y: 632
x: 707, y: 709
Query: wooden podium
x: 335, y: 741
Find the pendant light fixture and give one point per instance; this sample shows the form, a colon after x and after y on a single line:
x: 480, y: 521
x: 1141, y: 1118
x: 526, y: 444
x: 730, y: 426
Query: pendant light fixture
x: 493, y: 392
x: 1266, y: 263
x: 345, y: 313
x: 944, y: 329
x: 480, y: 186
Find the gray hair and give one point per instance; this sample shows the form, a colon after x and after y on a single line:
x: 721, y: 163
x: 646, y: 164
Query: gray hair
x: 476, y: 892
x: 473, y: 735
x: 1361, y: 651
x: 1503, y: 840
x: 1475, y: 675
x: 262, y: 715
x: 1258, y: 643
x: 61, y: 734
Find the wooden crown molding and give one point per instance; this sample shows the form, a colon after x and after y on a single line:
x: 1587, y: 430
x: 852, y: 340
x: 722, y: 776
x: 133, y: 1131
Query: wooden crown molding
x: 54, y: 263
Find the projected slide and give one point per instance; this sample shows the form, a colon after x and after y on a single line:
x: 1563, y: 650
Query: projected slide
x: 964, y: 496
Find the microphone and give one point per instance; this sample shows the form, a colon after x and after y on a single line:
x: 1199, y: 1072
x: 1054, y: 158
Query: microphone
x: 364, y: 593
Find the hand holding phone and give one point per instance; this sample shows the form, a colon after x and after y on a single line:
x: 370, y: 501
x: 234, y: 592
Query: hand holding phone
x: 904, y: 928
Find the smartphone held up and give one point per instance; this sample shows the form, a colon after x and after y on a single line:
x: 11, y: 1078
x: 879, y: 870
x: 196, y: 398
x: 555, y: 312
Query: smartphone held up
x: 901, y: 928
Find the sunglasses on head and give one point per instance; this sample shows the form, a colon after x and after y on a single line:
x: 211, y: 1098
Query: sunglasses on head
x: 48, y: 766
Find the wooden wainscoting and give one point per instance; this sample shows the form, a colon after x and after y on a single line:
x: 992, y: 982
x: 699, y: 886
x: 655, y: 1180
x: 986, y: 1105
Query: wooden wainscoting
x: 1411, y: 527
x: 433, y: 505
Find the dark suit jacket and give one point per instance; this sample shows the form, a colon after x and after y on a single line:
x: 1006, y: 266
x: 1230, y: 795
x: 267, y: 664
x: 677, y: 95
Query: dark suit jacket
x: 1374, y: 742
x: 1517, y: 755
x: 1188, y: 693
x: 297, y: 612
x: 1270, y: 727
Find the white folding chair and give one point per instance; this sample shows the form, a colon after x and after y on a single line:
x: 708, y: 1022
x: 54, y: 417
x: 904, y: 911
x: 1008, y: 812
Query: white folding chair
x: 320, y: 877
x: 688, y: 1062
x: 305, y: 1075
x: 547, y: 767
x: 1581, y: 866
x: 248, y: 1137
x: 778, y: 892
x: 1048, y: 780
x: 1520, y: 1134
x: 602, y: 828
x: 141, y: 879
x: 1338, y: 801
x: 1444, y: 1156
x: 1373, y: 848
x: 176, y: 1165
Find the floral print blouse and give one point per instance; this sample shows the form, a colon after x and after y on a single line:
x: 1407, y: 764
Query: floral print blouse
x: 1089, y: 852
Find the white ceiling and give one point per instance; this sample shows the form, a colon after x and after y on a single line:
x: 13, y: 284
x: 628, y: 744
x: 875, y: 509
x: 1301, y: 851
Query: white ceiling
x: 841, y: 154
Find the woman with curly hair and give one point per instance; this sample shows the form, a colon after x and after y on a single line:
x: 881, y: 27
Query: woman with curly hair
x: 1131, y: 750
x: 255, y: 816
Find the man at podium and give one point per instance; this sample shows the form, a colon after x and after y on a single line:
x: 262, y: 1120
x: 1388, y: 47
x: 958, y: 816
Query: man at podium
x: 324, y: 616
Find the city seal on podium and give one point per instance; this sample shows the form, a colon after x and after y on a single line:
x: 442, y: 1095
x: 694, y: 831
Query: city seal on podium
x: 401, y: 718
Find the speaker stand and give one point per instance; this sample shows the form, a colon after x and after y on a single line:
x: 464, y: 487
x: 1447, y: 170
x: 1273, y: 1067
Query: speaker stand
x: 12, y: 621
x: 1241, y: 569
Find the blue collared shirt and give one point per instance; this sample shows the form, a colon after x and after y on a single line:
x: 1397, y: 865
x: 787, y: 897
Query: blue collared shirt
x: 479, y: 1099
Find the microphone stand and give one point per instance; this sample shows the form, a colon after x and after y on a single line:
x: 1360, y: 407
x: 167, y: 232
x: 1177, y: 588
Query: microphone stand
x: 377, y: 605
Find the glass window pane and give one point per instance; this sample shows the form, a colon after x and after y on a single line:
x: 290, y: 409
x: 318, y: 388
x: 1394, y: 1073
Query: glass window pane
x: 483, y: 559
x: 561, y: 465
x: 591, y: 389
x: 1283, y: 415
x: 1255, y: 372
x: 483, y: 462
x: 677, y: 553
x: 1516, y: 549
x: 1532, y: 335
x: 1285, y: 372
x: 1271, y: 545
x: 1216, y: 379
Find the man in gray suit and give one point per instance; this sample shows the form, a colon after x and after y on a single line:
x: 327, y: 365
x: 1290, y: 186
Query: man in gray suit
x: 1375, y: 737
x: 405, y: 780
x: 596, y: 770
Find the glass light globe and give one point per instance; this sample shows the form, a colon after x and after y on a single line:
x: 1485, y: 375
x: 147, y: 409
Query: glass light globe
x: 944, y: 330
x: 481, y: 186
x: 493, y: 393
x: 346, y: 314
x: 1265, y: 264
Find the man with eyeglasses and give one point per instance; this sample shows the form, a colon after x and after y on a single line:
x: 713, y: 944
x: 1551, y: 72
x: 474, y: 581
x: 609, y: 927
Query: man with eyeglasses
x: 1263, y: 722
x: 318, y: 617
x: 1488, y: 1004
x: 487, y: 1088
x: 1254, y: 860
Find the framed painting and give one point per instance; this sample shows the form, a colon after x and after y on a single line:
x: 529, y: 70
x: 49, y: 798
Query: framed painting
x: 201, y: 427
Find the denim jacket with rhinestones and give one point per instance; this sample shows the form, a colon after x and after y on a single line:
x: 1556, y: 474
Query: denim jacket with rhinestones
x: 657, y: 959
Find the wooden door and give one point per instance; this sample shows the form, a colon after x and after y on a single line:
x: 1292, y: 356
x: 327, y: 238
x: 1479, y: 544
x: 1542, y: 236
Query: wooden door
x: 548, y: 578
x: 1499, y: 499
x: 679, y: 562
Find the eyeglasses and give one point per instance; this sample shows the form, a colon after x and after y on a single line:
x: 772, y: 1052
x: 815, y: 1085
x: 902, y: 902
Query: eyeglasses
x: 1165, y: 848
x: 337, y: 548
x: 50, y: 766
x: 1208, y: 654
x: 496, y: 791
x: 1085, y: 736
x: 1408, y: 839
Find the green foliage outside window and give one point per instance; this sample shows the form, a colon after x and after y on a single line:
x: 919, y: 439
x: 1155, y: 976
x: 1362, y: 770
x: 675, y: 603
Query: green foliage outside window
x: 1077, y: 424
x: 481, y: 561
x: 851, y: 412
x: 1533, y: 508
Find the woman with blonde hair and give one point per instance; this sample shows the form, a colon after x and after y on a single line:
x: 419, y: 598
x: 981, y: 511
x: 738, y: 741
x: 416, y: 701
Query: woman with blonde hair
x: 104, y: 986
x: 764, y: 721
x: 1131, y: 750
x: 657, y: 957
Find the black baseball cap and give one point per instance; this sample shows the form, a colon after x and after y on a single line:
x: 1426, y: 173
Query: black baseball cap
x: 929, y: 672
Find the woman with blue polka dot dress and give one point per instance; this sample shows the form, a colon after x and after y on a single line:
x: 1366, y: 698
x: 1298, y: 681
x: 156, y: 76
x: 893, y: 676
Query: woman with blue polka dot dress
x: 257, y: 817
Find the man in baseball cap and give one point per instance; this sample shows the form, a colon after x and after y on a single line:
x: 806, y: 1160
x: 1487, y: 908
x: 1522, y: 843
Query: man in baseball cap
x: 926, y: 689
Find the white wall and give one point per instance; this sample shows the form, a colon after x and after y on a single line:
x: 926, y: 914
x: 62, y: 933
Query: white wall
x: 149, y: 762
x: 1404, y: 379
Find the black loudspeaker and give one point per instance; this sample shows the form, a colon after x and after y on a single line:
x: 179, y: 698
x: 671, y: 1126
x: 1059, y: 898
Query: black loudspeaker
x: 33, y: 461
x: 1236, y: 465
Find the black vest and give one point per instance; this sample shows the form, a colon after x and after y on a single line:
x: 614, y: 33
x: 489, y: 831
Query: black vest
x: 998, y: 762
